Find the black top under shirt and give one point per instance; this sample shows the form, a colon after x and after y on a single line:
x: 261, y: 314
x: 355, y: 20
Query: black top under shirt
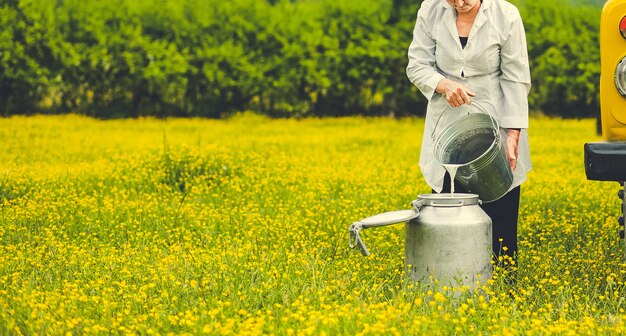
x: 463, y: 40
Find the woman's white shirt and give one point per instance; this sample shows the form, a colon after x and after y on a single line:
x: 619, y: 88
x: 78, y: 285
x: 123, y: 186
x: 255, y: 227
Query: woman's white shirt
x: 493, y: 64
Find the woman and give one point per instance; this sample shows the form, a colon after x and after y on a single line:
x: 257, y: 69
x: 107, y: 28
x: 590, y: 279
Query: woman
x: 472, y: 50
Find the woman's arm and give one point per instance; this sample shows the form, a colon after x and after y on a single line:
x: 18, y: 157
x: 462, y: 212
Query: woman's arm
x: 515, y: 84
x: 421, y: 69
x: 515, y: 77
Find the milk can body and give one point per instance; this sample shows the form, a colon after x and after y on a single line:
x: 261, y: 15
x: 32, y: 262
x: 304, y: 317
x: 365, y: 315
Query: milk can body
x: 447, y: 239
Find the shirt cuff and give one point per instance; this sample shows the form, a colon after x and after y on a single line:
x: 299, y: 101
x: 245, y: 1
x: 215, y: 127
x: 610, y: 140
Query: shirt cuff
x: 429, y: 86
x: 514, y: 122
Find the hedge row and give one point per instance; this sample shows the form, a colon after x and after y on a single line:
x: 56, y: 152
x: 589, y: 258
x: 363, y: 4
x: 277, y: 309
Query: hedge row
x: 119, y: 58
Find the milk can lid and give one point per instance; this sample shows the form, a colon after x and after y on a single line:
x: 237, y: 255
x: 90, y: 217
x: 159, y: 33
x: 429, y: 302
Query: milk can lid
x: 388, y: 218
x: 448, y: 200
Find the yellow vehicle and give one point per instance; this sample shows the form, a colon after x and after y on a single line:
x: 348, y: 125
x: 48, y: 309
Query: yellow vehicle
x: 613, y: 67
x: 606, y: 160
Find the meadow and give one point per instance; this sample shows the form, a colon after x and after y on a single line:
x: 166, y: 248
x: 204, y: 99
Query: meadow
x: 240, y: 226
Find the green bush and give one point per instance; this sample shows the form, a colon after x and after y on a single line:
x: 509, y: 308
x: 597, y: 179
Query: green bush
x: 213, y: 58
x: 563, y: 46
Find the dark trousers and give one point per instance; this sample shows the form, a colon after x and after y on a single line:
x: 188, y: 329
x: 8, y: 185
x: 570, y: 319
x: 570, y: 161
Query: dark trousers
x: 503, y: 213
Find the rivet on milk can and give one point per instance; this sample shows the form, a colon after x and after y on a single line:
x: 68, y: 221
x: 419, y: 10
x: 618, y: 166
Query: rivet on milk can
x: 472, y: 148
x: 447, y: 239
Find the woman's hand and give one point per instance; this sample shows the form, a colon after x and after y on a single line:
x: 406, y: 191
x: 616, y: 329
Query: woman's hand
x: 512, y: 138
x: 456, y: 93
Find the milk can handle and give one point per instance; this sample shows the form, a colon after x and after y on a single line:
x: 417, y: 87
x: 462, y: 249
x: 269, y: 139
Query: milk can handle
x: 355, y: 238
x: 472, y: 106
x: 356, y: 227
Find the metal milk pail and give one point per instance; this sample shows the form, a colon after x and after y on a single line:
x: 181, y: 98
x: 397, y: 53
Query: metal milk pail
x: 474, y: 143
x: 447, y: 239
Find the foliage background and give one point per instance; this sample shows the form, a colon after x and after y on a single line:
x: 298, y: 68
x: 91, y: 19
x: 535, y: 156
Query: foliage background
x: 281, y: 58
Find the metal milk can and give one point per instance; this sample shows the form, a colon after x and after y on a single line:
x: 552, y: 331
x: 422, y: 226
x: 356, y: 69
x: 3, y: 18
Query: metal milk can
x: 447, y: 239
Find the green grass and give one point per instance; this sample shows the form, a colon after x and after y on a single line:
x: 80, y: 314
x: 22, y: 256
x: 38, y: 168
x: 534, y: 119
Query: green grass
x: 241, y: 227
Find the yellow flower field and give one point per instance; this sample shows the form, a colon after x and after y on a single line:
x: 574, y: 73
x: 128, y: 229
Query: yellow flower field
x: 191, y: 226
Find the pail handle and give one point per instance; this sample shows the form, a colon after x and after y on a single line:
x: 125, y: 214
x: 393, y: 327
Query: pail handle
x: 356, y: 227
x: 473, y: 106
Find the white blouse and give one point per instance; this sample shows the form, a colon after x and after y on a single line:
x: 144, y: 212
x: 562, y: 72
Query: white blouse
x: 493, y: 64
